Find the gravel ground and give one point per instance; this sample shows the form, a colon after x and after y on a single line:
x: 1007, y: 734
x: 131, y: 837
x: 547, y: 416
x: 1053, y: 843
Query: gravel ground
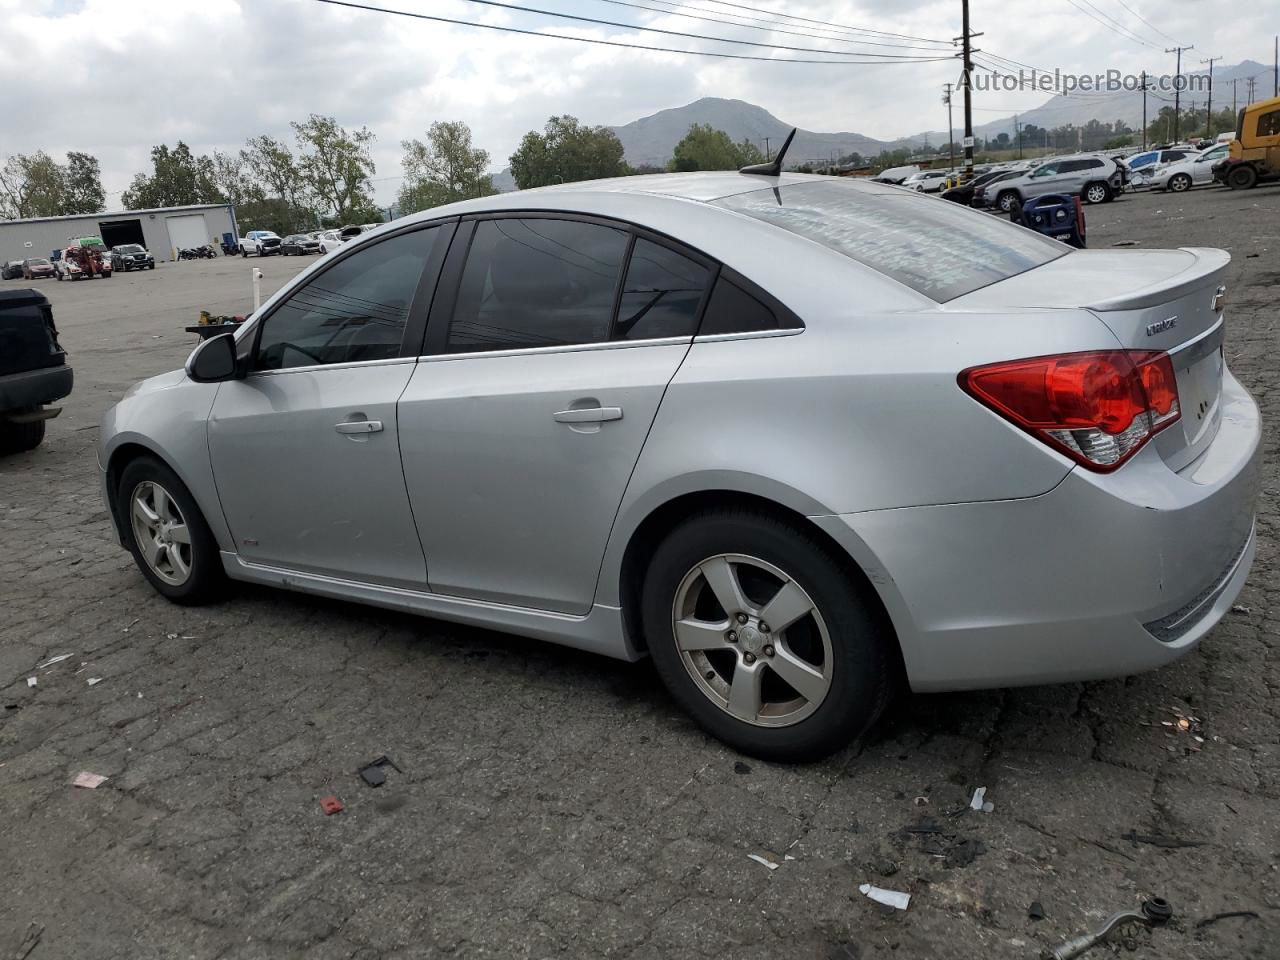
x: 554, y: 804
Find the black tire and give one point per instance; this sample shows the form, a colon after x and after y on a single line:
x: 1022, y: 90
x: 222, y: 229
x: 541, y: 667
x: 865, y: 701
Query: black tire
x: 1095, y: 193
x: 151, y: 266
x: 1180, y: 182
x: 206, y: 581
x: 1242, y: 177
x: 20, y: 437
x: 244, y: 254
x: 861, y: 676
x: 1007, y: 200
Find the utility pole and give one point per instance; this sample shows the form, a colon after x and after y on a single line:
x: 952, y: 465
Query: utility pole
x: 1144, y: 109
x: 1275, y: 69
x: 766, y: 148
x: 1234, y: 107
x: 1208, y: 122
x: 1017, y: 132
x: 1177, y: 86
x: 951, y: 130
x: 966, y: 80
x: 1251, y: 81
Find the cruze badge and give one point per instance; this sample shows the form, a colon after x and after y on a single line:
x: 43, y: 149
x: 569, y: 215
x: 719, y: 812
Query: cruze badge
x: 1160, y: 326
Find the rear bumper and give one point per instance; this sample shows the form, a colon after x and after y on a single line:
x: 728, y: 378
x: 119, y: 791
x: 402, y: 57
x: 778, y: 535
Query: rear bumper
x: 1105, y: 575
x: 31, y: 388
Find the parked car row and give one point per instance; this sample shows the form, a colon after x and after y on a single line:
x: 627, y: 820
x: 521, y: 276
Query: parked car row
x: 266, y: 243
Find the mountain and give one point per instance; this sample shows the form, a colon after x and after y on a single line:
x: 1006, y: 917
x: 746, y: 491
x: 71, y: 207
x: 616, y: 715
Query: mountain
x: 652, y: 139
x: 1060, y: 111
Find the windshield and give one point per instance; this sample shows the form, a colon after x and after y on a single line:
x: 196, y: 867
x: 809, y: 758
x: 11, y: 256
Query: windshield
x: 939, y: 249
x: 38, y: 262
x: 129, y: 248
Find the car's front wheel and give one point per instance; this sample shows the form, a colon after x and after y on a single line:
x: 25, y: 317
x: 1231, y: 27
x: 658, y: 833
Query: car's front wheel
x: 1180, y: 182
x: 761, y: 636
x: 167, y: 534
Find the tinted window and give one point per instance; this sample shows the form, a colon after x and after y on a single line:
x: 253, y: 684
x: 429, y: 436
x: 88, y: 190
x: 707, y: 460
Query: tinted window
x: 732, y: 310
x: 537, y: 283
x: 1269, y: 124
x: 354, y: 311
x: 1046, y: 170
x: 941, y: 250
x: 661, y: 295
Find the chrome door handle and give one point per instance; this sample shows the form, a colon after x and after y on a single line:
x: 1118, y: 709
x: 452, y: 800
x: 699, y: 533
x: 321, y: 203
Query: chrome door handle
x: 359, y: 426
x: 588, y: 415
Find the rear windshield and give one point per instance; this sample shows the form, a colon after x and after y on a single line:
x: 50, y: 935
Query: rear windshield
x: 935, y: 247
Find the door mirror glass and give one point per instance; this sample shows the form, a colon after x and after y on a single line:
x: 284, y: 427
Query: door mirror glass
x: 214, y: 360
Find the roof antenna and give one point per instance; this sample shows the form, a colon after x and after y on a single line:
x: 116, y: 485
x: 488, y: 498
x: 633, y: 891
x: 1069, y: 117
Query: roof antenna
x: 774, y: 167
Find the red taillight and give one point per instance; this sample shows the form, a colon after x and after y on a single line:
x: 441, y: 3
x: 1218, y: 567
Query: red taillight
x: 1098, y: 408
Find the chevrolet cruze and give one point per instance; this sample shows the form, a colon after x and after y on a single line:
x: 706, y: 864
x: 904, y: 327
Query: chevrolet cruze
x: 792, y: 437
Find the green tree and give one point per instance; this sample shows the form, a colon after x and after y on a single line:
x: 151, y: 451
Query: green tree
x: 443, y: 169
x: 178, y: 178
x: 30, y: 186
x: 706, y: 148
x: 566, y: 151
x: 35, y: 185
x: 337, y: 166
x: 82, y: 184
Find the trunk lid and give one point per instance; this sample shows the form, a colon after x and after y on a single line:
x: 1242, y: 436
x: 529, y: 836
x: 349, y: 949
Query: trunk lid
x: 1166, y: 300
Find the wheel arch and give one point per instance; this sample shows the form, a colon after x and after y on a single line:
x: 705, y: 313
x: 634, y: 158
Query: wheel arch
x: 130, y: 448
x: 666, y: 516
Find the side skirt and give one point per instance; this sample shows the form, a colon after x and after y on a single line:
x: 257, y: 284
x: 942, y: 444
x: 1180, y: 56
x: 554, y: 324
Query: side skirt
x: 600, y: 631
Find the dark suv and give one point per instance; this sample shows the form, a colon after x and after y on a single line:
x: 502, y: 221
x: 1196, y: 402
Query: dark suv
x: 33, y: 369
x: 131, y: 256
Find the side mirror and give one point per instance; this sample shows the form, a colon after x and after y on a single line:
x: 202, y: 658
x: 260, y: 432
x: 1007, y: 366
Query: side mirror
x: 214, y: 360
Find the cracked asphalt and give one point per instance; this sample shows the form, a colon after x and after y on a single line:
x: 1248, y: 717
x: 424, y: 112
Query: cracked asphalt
x: 555, y: 804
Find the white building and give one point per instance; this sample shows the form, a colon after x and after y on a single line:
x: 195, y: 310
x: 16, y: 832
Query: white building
x: 163, y: 232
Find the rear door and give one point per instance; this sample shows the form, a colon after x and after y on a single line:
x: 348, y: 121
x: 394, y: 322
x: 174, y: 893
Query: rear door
x: 304, y: 448
x: 547, y: 355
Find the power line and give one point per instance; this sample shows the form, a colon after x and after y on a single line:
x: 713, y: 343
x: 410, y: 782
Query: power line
x: 1145, y: 20
x: 770, y: 28
x: 824, y: 23
x: 615, y: 43
x: 1113, y: 26
x: 1027, y: 84
x: 678, y: 33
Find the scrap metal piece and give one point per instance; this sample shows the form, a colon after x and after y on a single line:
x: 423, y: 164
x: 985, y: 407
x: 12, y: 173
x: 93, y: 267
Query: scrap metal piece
x: 1154, y: 912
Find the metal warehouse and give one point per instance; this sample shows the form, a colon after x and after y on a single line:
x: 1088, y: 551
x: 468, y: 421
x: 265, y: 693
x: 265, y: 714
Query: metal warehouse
x: 164, y: 231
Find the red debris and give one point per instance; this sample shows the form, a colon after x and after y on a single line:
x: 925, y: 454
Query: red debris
x: 330, y: 805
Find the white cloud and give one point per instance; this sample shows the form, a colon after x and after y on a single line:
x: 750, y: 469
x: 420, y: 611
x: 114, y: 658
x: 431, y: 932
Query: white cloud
x: 113, y: 77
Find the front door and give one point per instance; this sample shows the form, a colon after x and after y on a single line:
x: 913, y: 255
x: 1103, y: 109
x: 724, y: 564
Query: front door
x: 519, y: 433
x: 304, y: 448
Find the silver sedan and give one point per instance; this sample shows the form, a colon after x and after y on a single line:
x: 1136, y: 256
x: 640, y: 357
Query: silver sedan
x: 793, y: 437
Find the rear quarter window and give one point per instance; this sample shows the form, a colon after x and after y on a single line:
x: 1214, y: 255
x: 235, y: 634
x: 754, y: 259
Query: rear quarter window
x: 936, y: 248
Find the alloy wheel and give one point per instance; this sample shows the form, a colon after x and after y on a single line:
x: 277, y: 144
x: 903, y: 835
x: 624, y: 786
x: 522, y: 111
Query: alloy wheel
x: 161, y: 532
x: 1179, y: 183
x: 1096, y: 193
x: 753, y: 640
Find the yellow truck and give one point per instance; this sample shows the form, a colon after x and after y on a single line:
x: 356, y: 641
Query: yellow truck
x: 1254, y: 156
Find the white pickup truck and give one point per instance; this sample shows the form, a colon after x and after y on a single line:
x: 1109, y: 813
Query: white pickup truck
x: 262, y: 242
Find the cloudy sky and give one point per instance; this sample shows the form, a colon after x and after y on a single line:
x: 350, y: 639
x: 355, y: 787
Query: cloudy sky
x: 113, y: 77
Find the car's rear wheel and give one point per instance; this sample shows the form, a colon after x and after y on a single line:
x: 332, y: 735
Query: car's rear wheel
x: 19, y: 437
x: 1180, y: 182
x: 1097, y: 193
x: 760, y: 635
x: 167, y: 534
